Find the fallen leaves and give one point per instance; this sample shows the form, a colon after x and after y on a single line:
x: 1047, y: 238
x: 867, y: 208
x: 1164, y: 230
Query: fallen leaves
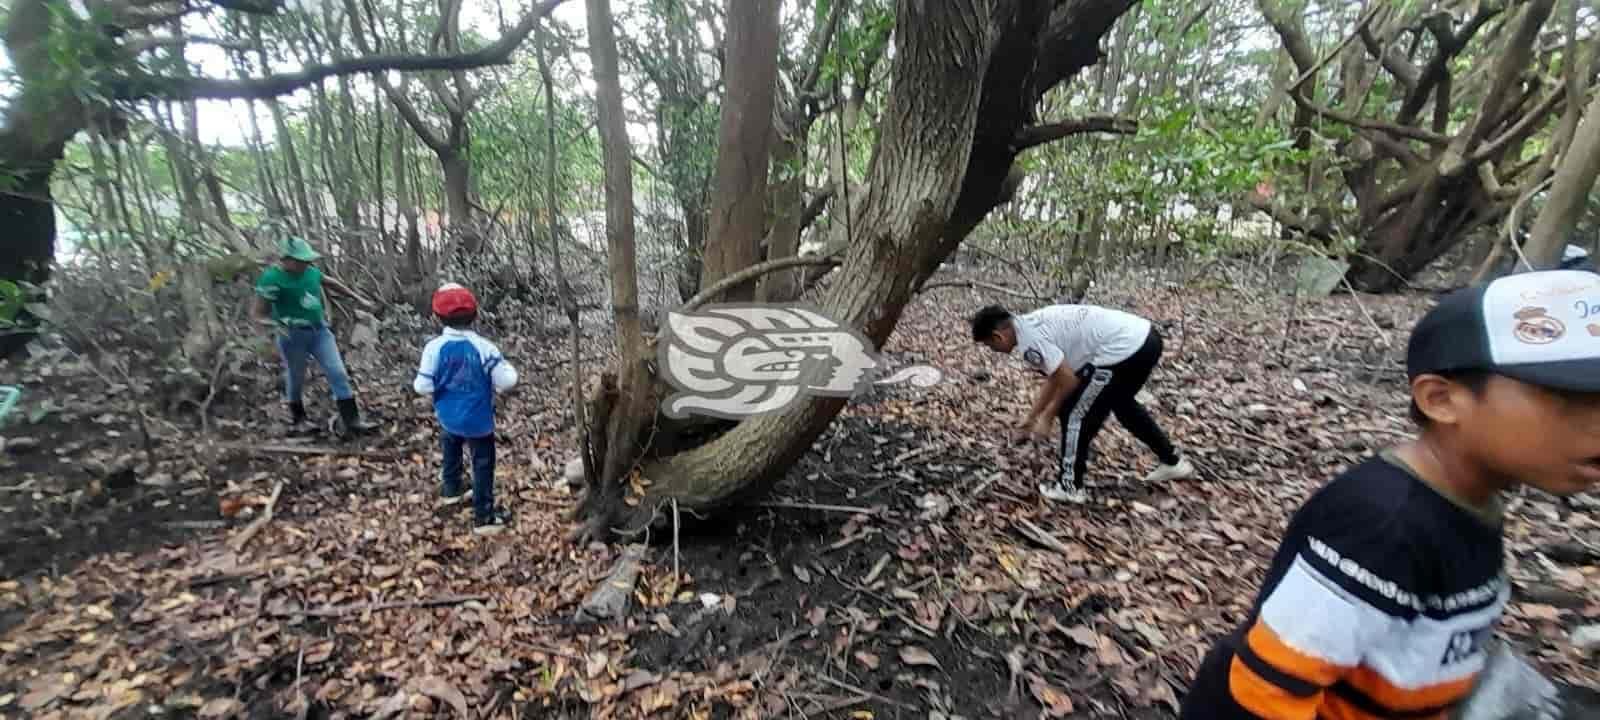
x: 1055, y: 702
x: 917, y: 657
x: 440, y: 689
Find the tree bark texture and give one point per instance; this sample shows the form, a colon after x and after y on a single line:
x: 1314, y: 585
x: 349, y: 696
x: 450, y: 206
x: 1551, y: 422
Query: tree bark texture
x: 738, y: 206
x: 966, y: 78
x: 1573, y: 183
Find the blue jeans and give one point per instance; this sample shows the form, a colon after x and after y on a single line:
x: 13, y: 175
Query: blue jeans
x: 482, y: 471
x: 308, y: 342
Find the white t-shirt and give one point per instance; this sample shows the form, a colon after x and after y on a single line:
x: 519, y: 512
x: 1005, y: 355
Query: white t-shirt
x: 1078, y: 335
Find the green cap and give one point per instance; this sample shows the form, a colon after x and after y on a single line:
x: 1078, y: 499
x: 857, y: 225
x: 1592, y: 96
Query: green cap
x: 298, y: 249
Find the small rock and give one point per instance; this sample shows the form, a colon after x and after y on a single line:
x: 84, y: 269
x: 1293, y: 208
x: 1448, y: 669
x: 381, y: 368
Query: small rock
x: 1147, y: 399
x: 573, y: 472
x: 159, y: 480
x: 21, y: 445
x: 1586, y: 638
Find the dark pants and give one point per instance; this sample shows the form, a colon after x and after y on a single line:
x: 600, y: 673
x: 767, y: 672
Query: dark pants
x: 1104, y: 391
x: 482, y: 471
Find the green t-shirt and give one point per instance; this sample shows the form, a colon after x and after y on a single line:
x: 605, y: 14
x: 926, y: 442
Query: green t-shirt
x: 296, y: 299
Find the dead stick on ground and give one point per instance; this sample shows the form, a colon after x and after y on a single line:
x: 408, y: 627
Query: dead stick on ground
x: 551, y: 651
x: 242, y: 538
x: 675, y: 574
x: 859, y: 691
x: 780, y: 504
x: 339, y: 610
x: 1041, y: 536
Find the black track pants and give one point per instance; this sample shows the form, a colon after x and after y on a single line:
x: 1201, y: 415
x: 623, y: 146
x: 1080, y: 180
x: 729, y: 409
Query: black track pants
x: 1104, y: 391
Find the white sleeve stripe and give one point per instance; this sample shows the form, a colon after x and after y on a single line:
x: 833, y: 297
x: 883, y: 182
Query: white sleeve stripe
x: 1313, y: 615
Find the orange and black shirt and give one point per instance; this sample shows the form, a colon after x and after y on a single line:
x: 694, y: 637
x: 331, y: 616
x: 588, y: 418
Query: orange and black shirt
x: 1378, y: 604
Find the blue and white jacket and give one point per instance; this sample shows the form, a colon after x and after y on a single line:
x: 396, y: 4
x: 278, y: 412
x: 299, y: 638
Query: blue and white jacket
x: 462, y: 372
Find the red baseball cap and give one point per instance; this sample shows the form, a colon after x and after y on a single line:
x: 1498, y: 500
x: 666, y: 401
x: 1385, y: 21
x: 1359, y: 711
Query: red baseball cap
x: 452, y: 299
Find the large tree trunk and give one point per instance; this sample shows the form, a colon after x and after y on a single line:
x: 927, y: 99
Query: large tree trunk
x: 624, y: 423
x: 457, y: 193
x: 1574, y: 180
x: 966, y: 78
x: 738, y: 206
x: 788, y: 200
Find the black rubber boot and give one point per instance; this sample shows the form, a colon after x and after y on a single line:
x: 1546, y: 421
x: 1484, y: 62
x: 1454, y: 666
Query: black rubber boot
x: 350, y: 422
x: 298, y: 423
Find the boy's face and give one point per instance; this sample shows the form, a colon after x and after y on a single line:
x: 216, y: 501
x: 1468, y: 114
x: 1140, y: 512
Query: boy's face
x: 1543, y: 438
x: 1003, y: 339
x: 295, y: 267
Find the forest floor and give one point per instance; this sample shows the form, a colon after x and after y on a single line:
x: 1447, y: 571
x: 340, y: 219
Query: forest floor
x: 906, y: 567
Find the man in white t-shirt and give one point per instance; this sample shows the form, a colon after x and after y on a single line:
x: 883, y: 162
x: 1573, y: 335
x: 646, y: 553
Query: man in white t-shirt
x: 1094, y: 361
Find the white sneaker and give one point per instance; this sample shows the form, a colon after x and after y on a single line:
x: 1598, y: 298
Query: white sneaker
x: 1061, y: 493
x: 1167, y: 473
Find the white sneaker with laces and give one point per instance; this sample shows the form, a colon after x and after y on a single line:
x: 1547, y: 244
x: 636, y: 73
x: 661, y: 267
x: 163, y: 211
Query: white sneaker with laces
x: 1060, y: 493
x: 1166, y: 473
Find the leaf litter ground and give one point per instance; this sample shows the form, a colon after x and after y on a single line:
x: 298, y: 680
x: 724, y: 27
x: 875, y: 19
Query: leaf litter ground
x: 905, y: 567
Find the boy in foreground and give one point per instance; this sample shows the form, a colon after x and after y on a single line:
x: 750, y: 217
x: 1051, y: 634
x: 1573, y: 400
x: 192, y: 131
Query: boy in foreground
x: 463, y: 372
x: 291, y: 299
x: 1389, y: 580
x: 1094, y: 361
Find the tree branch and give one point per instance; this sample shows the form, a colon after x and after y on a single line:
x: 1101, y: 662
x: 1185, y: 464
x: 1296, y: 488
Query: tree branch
x: 1403, y: 71
x: 976, y: 284
x: 755, y: 271
x: 139, y: 85
x: 1036, y: 135
x: 1531, y: 121
x: 147, y: 43
x: 815, y: 206
x: 255, y: 7
x: 1405, y: 131
x: 1361, y: 26
x: 1449, y: 45
x: 821, y: 45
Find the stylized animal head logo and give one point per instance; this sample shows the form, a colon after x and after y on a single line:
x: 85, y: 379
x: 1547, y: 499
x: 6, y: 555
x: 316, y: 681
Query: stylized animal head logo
x: 1535, y: 327
x: 733, y: 361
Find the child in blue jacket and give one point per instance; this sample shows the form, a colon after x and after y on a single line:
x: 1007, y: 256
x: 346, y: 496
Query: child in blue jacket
x: 463, y: 372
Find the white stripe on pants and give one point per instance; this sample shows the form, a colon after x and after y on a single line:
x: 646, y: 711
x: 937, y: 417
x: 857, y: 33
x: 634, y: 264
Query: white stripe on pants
x: 1074, y: 425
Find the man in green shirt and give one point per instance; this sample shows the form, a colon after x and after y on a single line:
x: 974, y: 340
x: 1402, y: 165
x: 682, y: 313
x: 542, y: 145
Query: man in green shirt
x: 290, y: 299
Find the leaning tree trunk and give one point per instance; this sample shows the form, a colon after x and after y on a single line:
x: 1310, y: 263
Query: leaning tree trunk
x: 966, y: 77
x: 1574, y: 179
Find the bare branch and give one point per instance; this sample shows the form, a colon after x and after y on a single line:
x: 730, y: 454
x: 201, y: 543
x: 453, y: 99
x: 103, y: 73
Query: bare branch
x: 147, y: 43
x: 1402, y: 69
x: 1450, y: 45
x: 1531, y: 121
x: 821, y: 45
x: 140, y: 85
x: 1036, y: 135
x: 1405, y: 131
x: 255, y: 7
x: 815, y: 206
x: 755, y: 271
x: 1361, y: 26
x: 977, y: 284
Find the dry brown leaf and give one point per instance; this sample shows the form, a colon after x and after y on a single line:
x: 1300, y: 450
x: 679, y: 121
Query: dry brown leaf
x: 220, y: 708
x: 440, y: 689
x: 46, y: 689
x: 913, y: 655
x: 1083, y: 636
x: 1055, y: 702
x: 867, y: 660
